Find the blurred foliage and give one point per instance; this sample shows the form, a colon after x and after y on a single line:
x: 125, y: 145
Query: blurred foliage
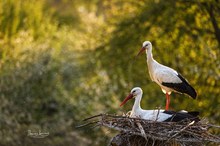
x: 62, y: 61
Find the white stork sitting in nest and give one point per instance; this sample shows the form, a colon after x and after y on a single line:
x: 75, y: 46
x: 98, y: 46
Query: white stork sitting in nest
x: 167, y: 78
x: 156, y: 115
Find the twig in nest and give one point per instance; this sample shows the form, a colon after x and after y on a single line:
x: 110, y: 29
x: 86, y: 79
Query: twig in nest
x: 99, y: 115
x: 87, y: 124
x: 142, y: 130
x: 157, y: 114
x: 211, y: 125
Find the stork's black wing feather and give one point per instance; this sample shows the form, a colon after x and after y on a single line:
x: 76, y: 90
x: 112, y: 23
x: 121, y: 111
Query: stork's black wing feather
x: 179, y: 116
x: 183, y: 87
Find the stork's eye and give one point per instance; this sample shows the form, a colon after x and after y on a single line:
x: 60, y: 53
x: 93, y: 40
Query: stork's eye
x: 134, y: 91
x: 146, y: 45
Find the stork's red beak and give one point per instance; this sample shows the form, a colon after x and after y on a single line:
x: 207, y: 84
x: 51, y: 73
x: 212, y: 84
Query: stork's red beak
x: 126, y: 99
x: 141, y: 51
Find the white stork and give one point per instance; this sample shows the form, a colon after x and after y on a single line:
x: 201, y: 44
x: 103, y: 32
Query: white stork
x: 156, y: 115
x: 167, y: 78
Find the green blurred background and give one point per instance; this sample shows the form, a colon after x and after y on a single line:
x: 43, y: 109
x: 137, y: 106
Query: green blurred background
x: 64, y: 60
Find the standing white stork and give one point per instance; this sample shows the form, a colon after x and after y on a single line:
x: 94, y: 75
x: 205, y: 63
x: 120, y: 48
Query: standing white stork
x: 156, y: 115
x: 167, y: 78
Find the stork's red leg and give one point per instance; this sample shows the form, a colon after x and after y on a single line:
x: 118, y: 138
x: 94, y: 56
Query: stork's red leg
x: 167, y: 101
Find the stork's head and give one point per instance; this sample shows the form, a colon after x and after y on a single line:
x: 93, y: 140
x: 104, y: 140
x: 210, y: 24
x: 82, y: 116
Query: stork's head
x: 146, y: 45
x: 134, y: 93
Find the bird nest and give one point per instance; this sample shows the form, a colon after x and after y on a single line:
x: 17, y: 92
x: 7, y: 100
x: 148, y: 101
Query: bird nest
x: 136, y: 131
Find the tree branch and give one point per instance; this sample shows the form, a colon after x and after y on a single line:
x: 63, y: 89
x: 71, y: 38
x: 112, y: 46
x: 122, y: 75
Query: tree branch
x: 210, y: 10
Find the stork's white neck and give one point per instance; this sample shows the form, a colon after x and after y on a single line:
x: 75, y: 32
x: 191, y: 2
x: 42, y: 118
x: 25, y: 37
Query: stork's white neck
x: 137, y: 104
x: 150, y: 62
x: 149, y: 54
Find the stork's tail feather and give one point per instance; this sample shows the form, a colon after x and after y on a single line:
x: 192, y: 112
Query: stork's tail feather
x: 194, y: 113
x: 189, y: 89
x: 191, y: 92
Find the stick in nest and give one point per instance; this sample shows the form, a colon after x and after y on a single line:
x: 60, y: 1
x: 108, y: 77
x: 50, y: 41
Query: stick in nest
x: 142, y: 130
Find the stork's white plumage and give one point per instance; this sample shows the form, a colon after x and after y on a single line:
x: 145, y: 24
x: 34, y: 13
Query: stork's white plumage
x: 167, y: 78
x: 156, y: 115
